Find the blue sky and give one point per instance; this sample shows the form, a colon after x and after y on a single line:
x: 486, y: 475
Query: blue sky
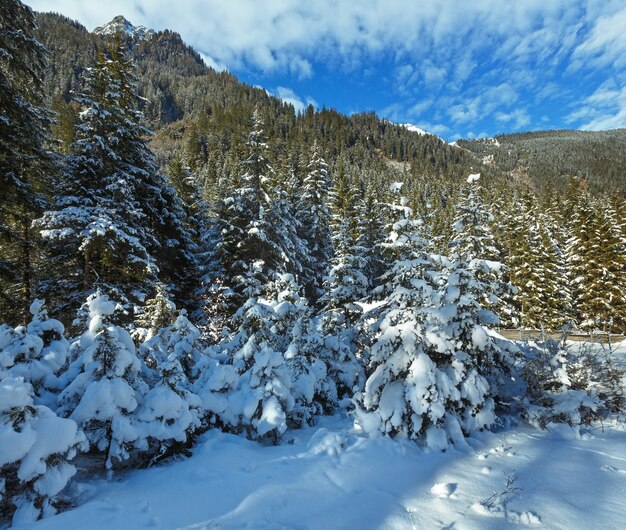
x: 453, y: 67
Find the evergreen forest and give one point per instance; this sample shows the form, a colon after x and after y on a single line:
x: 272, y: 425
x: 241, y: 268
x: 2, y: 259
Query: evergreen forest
x: 180, y: 251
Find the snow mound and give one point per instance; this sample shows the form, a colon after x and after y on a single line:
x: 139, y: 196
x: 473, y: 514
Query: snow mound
x: 443, y: 489
x: 324, y: 442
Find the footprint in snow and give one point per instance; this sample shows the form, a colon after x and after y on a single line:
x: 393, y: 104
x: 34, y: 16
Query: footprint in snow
x: 443, y: 489
x: 612, y: 469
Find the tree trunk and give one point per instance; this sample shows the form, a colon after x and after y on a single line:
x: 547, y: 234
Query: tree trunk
x: 86, y: 267
x: 26, y: 270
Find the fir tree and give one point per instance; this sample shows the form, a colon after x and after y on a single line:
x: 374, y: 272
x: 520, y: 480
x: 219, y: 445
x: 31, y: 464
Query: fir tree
x: 314, y: 217
x: 37, y: 352
x: 473, y: 240
x: 409, y: 389
x: 313, y: 389
x: 107, y: 389
x: 264, y: 384
x: 157, y: 313
x: 37, y: 447
x: 345, y: 285
x: 249, y: 231
x: 25, y: 166
x: 98, y: 235
x: 169, y: 416
x: 472, y: 286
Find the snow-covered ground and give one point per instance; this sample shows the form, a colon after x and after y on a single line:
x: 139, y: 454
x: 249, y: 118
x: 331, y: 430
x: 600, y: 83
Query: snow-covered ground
x: 333, y: 476
x: 330, y: 476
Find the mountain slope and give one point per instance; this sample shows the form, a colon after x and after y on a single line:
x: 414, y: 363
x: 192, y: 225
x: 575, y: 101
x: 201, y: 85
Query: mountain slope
x: 551, y: 157
x: 204, y: 115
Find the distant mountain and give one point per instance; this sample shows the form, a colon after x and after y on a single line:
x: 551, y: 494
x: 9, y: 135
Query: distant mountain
x: 549, y: 158
x: 120, y: 24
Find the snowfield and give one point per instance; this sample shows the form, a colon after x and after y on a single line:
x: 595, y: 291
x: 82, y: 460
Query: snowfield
x: 332, y: 476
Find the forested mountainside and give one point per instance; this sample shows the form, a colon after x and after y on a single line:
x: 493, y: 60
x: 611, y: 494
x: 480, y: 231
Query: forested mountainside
x: 550, y: 158
x: 206, y: 113
x: 249, y: 269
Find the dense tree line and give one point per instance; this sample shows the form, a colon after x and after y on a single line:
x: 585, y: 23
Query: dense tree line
x: 261, y: 269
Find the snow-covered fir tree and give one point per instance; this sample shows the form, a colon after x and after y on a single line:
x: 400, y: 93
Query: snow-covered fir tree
x: 105, y: 386
x: 264, y: 385
x: 407, y: 392
x: 471, y: 288
x: 169, y: 416
x: 184, y: 345
x: 314, y: 218
x: 36, y: 449
x: 313, y: 390
x: 295, y: 334
x: 602, y: 301
x: 473, y: 239
x: 37, y: 352
x: 344, y: 286
x: 249, y: 232
x: 157, y: 313
x: 97, y: 232
x: 371, y: 216
x: 346, y: 282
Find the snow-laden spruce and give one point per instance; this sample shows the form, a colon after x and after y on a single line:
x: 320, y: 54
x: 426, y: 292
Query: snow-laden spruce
x: 179, y: 340
x: 429, y: 355
x: 96, y: 231
x: 170, y: 414
x: 263, y: 397
x: 406, y: 393
x: 250, y: 226
x: 344, y: 286
x: 313, y: 390
x: 473, y: 291
x: 37, y: 352
x: 314, y: 222
x: 157, y: 313
x: 107, y: 387
x: 570, y: 383
x: 36, y: 448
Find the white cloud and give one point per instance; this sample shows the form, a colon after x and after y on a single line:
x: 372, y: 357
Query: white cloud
x: 519, y: 118
x: 290, y: 97
x: 606, y: 43
x: 437, y: 129
x: 286, y: 34
x: 421, y: 106
x: 604, y: 109
x: 209, y: 61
